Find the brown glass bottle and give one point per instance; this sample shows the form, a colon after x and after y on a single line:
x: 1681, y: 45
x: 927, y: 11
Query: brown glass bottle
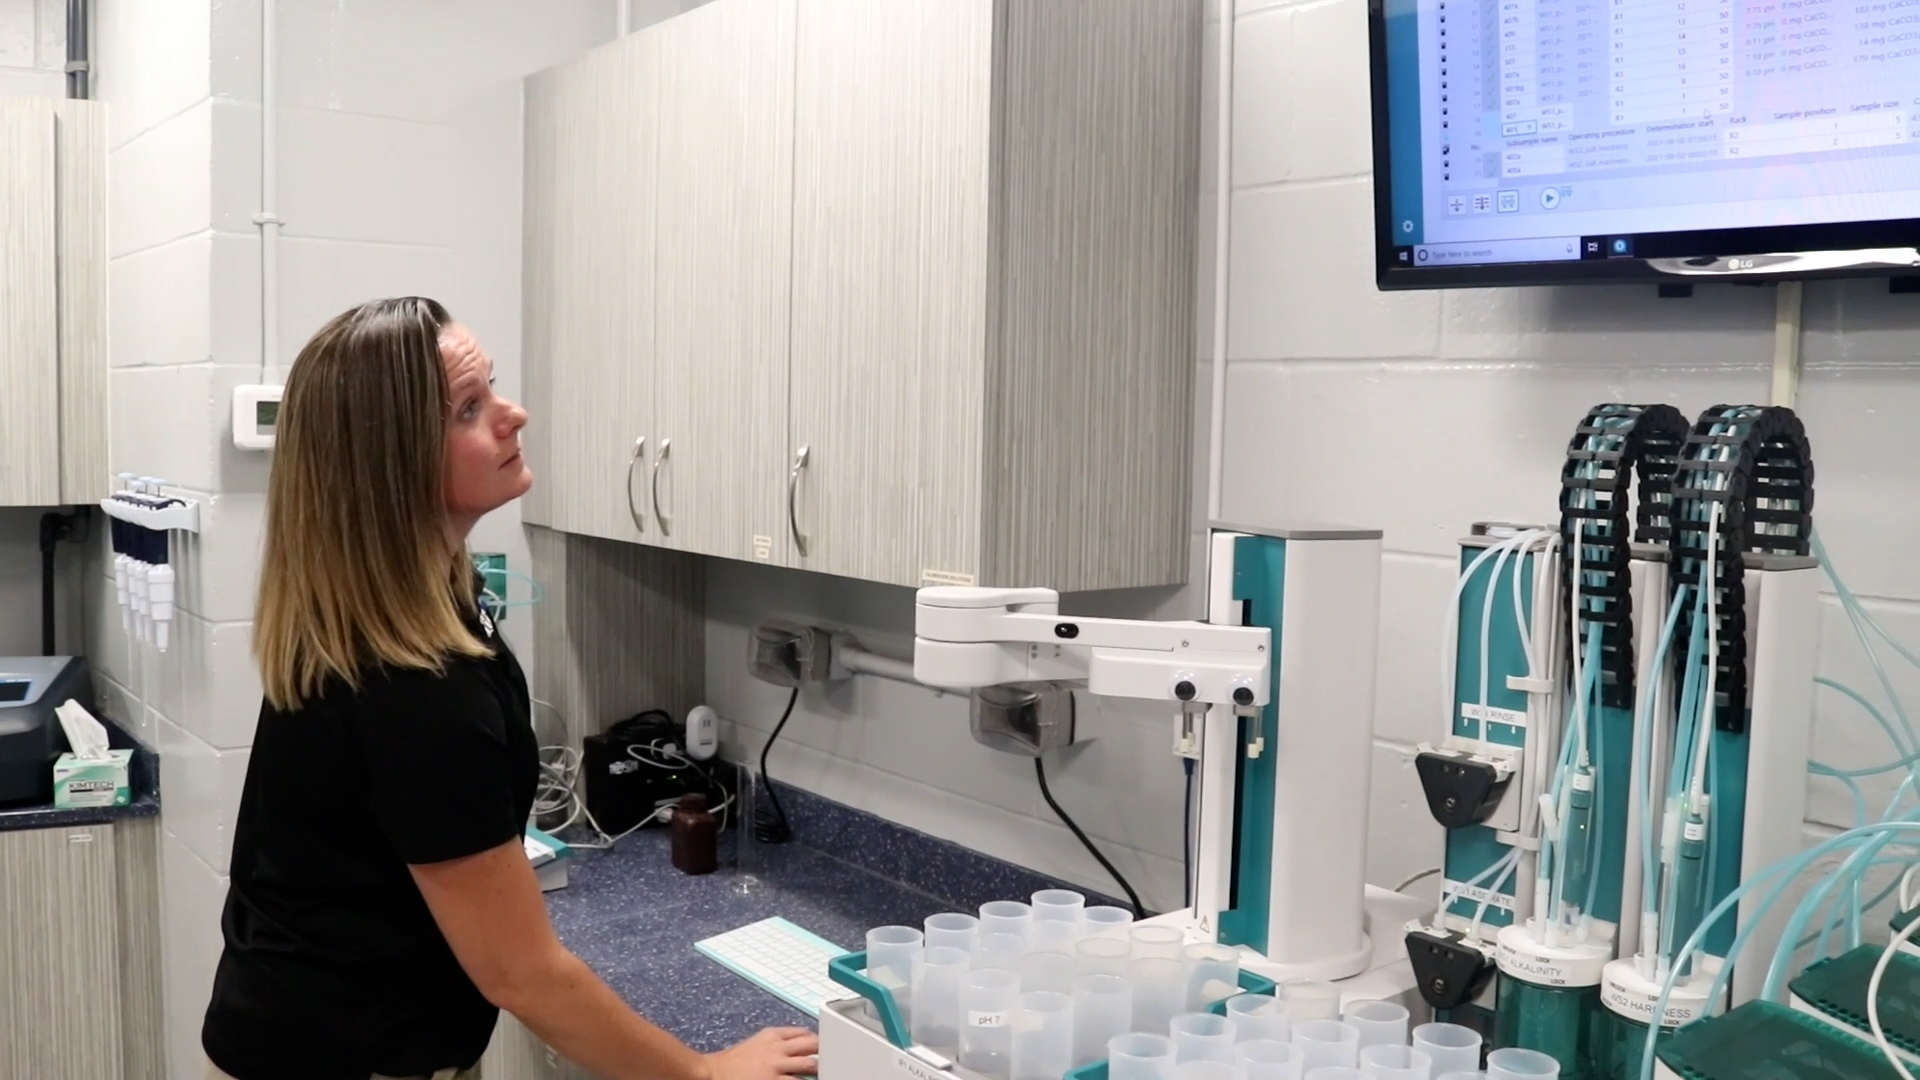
x: 696, y: 837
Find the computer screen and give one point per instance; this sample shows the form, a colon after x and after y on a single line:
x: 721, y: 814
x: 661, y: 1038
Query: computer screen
x: 1521, y: 141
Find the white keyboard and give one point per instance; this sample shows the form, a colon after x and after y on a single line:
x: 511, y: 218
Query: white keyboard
x: 782, y: 959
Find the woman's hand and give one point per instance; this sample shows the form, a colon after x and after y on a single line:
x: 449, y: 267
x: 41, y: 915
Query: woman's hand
x: 770, y: 1055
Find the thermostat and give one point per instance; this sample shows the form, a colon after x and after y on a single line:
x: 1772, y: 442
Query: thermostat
x: 256, y: 415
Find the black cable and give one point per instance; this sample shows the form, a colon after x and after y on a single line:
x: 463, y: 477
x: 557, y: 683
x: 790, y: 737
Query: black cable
x: 773, y: 828
x: 1186, y: 839
x: 1040, y: 771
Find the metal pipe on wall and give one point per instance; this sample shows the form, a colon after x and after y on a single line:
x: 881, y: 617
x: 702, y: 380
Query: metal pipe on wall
x: 79, y: 84
x: 268, y: 219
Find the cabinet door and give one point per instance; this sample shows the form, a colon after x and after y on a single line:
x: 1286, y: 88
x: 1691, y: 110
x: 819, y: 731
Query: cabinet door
x: 589, y: 288
x: 891, y: 160
x: 724, y: 236
x: 60, y: 1014
x: 29, y: 326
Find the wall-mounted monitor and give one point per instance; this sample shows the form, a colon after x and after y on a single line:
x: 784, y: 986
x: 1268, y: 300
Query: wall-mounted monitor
x: 1523, y: 142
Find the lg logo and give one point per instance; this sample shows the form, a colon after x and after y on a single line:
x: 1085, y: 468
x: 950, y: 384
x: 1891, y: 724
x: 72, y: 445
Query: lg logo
x: 1740, y: 264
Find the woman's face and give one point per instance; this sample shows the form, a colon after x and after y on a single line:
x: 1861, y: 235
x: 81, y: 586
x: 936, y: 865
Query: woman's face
x: 484, y: 468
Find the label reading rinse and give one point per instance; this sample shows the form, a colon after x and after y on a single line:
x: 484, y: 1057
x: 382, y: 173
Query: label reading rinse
x: 1489, y: 714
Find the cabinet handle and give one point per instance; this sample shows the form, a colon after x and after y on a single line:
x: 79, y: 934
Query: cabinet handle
x: 666, y: 523
x: 639, y: 451
x: 793, y: 520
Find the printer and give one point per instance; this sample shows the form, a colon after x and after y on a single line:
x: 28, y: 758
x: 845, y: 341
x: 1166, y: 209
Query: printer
x: 30, y: 735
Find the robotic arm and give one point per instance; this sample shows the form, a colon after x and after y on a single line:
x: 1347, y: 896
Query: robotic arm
x: 971, y: 638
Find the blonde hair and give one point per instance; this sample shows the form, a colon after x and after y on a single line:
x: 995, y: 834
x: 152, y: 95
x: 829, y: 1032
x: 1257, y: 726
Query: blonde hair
x: 358, y: 570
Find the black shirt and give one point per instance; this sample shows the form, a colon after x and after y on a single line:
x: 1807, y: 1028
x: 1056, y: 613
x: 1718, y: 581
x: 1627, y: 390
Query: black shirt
x: 334, y: 968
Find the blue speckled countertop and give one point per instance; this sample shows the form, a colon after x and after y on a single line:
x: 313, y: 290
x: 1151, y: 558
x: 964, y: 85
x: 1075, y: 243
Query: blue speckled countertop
x: 634, y: 918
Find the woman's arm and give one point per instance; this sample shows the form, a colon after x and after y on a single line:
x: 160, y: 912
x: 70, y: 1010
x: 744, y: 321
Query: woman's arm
x: 489, y: 908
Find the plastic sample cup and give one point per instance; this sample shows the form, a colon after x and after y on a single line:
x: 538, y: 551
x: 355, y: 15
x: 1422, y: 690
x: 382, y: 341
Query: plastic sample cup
x: 1202, y: 1037
x: 1326, y: 1042
x: 1139, y: 1056
x: 893, y: 954
x: 1058, y: 905
x: 1042, y: 1037
x: 1454, y: 1049
x: 1159, y: 993
x: 1102, y: 1011
x: 1054, y: 936
x: 1267, y: 1059
x: 1514, y: 1063
x: 952, y: 930
x: 936, y: 999
x: 1213, y: 974
x: 1001, y: 951
x: 1103, y: 955
x: 1395, y: 1062
x: 1006, y: 917
x: 1380, y: 1023
x: 1335, y: 1072
x: 1256, y: 1017
x: 1157, y: 943
x: 1049, y: 971
x: 1104, y: 921
x: 1310, y: 999
x: 1204, y: 1070
x: 987, y: 1002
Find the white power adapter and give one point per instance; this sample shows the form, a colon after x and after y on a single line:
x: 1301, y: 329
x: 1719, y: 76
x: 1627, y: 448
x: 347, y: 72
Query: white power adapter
x: 703, y: 733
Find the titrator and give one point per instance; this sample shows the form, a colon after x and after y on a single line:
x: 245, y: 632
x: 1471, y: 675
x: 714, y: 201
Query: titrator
x: 1270, y: 700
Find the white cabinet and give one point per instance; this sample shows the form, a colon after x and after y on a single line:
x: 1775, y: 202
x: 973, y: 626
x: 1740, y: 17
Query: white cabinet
x: 588, y: 289
x: 722, y: 250
x: 53, y: 363
x: 920, y: 289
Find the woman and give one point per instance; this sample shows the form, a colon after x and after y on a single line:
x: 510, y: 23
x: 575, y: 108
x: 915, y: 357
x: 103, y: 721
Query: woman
x: 382, y: 910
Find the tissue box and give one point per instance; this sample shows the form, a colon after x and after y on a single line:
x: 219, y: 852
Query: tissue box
x: 79, y: 783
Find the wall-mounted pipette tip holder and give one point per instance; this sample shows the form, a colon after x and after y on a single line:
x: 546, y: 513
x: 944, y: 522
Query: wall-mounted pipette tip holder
x: 144, y: 516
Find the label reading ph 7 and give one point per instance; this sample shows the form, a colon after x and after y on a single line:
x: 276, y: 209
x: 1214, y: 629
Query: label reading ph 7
x: 986, y: 1019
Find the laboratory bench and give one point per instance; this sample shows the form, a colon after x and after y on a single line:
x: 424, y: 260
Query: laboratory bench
x: 634, y: 919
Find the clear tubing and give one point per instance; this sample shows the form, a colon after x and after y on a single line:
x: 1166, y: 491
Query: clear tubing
x: 1786, y: 871
x: 1486, y: 621
x: 1856, y: 864
x: 1861, y: 620
x: 1643, y: 767
x: 1450, y: 633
